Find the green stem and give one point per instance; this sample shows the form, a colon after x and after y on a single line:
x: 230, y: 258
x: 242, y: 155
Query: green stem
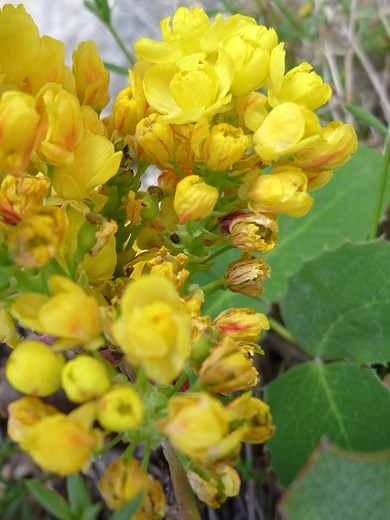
x: 142, y: 167
x: 145, y: 458
x: 120, y: 43
x: 185, y: 498
x: 281, y: 330
x: 108, y: 446
x: 219, y: 252
x: 128, y: 453
x: 179, y: 383
x: 381, y: 191
x: 217, y: 283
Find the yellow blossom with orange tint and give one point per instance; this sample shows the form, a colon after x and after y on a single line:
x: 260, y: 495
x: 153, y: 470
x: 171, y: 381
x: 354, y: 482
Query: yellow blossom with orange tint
x: 92, y: 78
x: 241, y: 324
x: 247, y: 275
x: 194, y: 199
x: 24, y: 412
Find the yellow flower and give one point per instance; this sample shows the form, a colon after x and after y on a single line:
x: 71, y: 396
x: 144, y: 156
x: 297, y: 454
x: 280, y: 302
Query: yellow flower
x: 24, y: 412
x: 68, y: 314
x: 247, y: 275
x: 194, y: 199
x: 196, y: 423
x: 251, y: 232
x: 183, y: 38
x: 241, y: 324
x: 284, y: 190
x: 194, y: 87
x: 84, y: 378
x: 120, y: 409
x: 18, y: 195
x: 37, y: 238
x: 252, y: 110
x: 220, y: 148
x: 287, y: 129
x: 60, y: 444
x: 49, y: 67
x: 95, y: 162
x: 249, y: 49
x: 129, y: 106
x: 153, y: 329
x: 338, y: 146
x: 92, y: 78
x: 92, y: 122
x: 123, y: 480
x: 61, y: 125
x: 18, y: 123
x: 227, y: 369
x: 19, y: 43
x: 101, y: 267
x: 302, y: 86
x: 170, y: 267
x: 33, y: 368
x: 156, y: 139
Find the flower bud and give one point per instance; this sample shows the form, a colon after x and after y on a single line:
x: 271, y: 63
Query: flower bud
x: 194, y: 199
x: 195, y: 424
x: 61, y: 125
x: 222, y: 483
x: 247, y: 275
x: 18, y: 123
x: 251, y: 232
x: 255, y: 413
x: 339, y: 146
x: 120, y: 409
x: 241, y: 324
x: 19, y: 43
x: 227, y: 369
x: 123, y: 480
x: 92, y: 78
x: 156, y: 139
x: 129, y: 106
x: 84, y: 378
x: 38, y: 237
x: 33, y: 368
x: 223, y: 146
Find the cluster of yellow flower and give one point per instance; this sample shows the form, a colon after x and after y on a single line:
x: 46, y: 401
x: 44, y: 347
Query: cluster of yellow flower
x: 103, y: 272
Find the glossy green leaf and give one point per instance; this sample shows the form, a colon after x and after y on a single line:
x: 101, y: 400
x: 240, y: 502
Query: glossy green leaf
x: 338, y: 305
x: 342, y: 209
x: 128, y: 510
x: 347, y: 404
x: 50, y: 500
x: 337, y: 485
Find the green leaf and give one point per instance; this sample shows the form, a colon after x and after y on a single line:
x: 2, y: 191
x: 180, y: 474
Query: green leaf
x: 347, y: 404
x: 342, y: 209
x: 91, y: 512
x: 50, y: 500
x: 128, y: 510
x: 338, y: 305
x: 368, y: 118
x: 78, y: 495
x: 337, y: 485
